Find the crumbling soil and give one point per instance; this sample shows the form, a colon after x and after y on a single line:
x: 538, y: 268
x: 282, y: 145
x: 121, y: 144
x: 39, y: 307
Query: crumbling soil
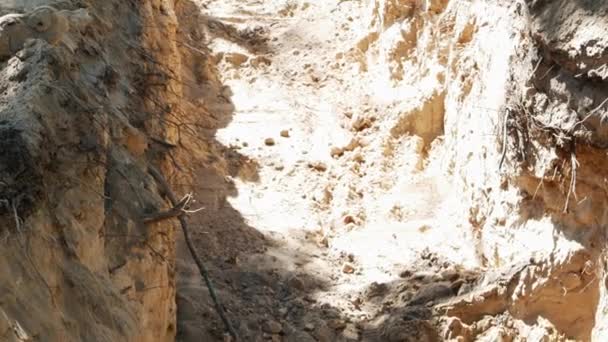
x: 367, y: 174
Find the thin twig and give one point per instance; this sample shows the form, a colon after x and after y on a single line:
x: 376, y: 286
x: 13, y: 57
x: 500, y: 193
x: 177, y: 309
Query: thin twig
x: 547, y: 72
x: 572, y: 188
x: 201, y: 266
x: 177, y: 210
x: 590, y: 114
x: 504, y: 138
x: 540, y: 184
x: 163, y: 143
x: 536, y: 67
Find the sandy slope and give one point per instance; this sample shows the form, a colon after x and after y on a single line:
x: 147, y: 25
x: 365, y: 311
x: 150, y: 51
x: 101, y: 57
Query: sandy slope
x: 400, y: 170
x: 341, y: 211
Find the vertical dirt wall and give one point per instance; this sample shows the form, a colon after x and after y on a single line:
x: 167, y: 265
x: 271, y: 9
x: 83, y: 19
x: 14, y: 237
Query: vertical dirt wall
x: 84, y: 112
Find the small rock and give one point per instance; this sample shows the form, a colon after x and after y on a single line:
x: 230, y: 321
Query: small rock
x: 336, y: 152
x: 272, y: 327
x: 350, y: 333
x: 348, y: 219
x: 405, y: 274
x: 322, y: 241
x: 336, y: 324
x: 309, y: 327
x: 348, y: 268
x: 357, y: 303
x: 236, y: 59
x: 358, y: 158
x: 296, y: 283
x: 226, y: 92
x: 285, y: 133
x: 269, y: 142
x: 260, y: 61
x: 412, y: 313
x: 432, y: 292
x: 310, y: 299
x: 279, y: 167
x: 234, y: 260
x: 424, y: 228
x: 318, y: 166
x: 406, y: 296
x: 359, y: 124
x: 375, y: 290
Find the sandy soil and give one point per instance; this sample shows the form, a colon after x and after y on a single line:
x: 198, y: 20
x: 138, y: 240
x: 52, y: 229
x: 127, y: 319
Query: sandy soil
x: 325, y: 230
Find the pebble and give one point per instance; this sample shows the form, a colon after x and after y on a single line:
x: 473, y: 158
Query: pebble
x: 319, y: 166
x: 432, y: 292
x: 360, y: 124
x: 336, y: 324
x: 348, y: 219
x: 236, y: 59
x: 296, y: 283
x: 348, y: 268
x: 405, y: 274
x: 269, y: 142
x: 376, y: 290
x: 272, y: 327
x: 285, y: 133
x: 336, y: 152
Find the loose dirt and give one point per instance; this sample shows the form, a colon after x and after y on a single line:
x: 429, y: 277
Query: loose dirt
x: 320, y: 236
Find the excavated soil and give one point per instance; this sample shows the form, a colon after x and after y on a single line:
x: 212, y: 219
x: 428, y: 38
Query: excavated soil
x: 362, y: 170
x: 363, y: 175
x: 311, y: 234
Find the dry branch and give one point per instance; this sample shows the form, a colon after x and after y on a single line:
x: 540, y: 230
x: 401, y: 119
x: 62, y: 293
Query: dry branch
x: 177, y: 210
x: 201, y: 266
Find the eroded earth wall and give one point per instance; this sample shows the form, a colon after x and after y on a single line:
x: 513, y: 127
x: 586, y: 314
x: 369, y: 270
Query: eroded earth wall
x: 87, y: 105
x: 511, y: 108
